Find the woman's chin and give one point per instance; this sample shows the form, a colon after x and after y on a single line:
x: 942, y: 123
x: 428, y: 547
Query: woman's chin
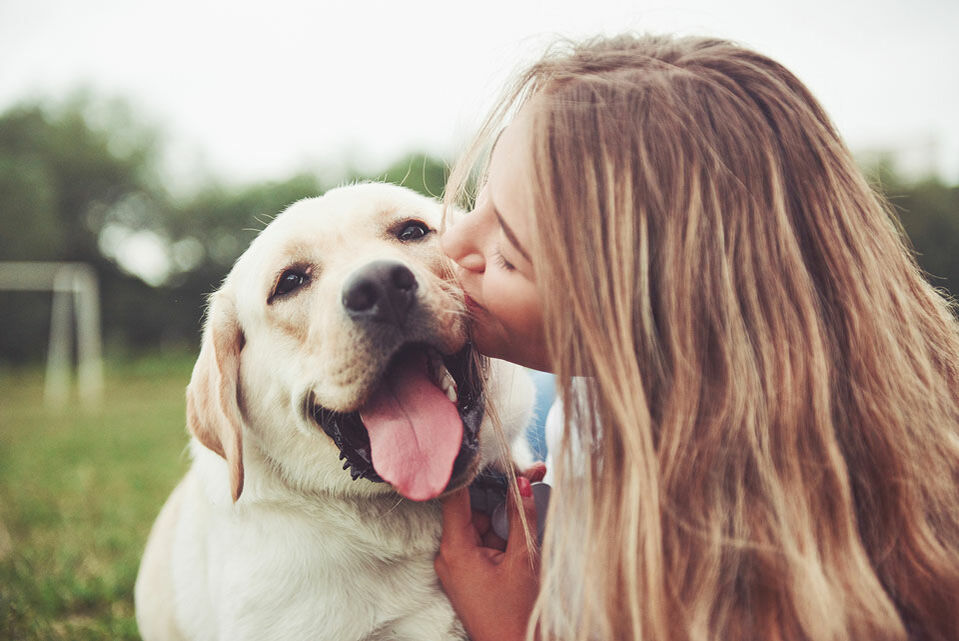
x: 489, y: 343
x: 487, y: 347
x: 513, y: 354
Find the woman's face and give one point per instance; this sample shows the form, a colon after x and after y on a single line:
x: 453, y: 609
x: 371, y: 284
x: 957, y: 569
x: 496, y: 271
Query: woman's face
x: 490, y: 247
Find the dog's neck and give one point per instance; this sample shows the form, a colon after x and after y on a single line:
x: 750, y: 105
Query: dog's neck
x: 380, y: 517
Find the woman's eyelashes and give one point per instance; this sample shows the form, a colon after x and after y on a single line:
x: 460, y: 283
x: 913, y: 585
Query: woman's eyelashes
x: 502, y: 262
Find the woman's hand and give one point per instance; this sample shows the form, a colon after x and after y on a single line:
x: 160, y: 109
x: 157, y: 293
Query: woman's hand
x: 492, y: 590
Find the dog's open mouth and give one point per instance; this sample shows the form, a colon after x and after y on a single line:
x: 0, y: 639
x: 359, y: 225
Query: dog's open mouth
x: 419, y: 427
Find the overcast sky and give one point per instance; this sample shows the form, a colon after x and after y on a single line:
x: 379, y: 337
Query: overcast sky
x: 257, y: 91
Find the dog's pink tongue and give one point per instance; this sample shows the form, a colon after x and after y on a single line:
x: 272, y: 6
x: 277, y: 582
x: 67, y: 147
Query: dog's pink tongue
x: 415, y: 431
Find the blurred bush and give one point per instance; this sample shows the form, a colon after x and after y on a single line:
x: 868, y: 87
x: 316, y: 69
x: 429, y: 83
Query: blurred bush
x: 58, y: 176
x: 929, y: 211
x: 79, y: 181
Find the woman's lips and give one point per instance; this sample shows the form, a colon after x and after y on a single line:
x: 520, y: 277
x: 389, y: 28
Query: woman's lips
x: 472, y: 305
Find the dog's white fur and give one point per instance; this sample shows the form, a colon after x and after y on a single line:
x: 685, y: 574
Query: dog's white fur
x: 267, y: 537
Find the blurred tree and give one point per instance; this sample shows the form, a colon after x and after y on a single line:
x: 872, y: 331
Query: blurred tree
x: 929, y: 211
x: 78, y: 181
x: 28, y: 214
x: 61, y: 168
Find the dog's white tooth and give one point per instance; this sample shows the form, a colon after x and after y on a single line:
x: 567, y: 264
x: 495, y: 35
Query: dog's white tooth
x: 448, y: 385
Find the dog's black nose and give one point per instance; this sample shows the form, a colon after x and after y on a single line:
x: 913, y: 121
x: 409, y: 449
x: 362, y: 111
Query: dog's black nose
x: 382, y: 291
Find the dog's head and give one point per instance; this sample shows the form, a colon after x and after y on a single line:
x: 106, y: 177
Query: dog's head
x: 338, y: 343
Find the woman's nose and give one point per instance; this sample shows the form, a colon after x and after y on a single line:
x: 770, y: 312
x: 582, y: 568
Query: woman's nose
x: 461, y: 242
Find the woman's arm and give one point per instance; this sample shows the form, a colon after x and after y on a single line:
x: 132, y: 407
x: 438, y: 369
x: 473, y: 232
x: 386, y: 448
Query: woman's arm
x: 492, y: 590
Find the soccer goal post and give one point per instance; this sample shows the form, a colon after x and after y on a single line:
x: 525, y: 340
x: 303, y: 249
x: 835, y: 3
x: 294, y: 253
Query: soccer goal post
x: 75, y: 311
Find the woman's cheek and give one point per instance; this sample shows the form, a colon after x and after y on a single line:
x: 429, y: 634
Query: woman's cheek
x: 497, y: 296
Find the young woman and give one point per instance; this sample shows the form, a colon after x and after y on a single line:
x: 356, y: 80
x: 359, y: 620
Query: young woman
x: 762, y: 390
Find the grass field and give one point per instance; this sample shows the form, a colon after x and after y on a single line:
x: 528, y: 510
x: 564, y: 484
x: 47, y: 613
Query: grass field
x: 79, y: 490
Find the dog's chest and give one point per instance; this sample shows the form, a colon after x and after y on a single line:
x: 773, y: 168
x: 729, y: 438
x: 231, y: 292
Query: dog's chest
x: 330, y: 576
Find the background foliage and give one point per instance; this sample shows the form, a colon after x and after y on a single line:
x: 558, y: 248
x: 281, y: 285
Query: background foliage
x: 929, y: 211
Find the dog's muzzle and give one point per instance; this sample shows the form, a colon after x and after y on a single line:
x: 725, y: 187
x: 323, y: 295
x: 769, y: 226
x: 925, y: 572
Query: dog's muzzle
x: 418, y: 427
x: 351, y: 437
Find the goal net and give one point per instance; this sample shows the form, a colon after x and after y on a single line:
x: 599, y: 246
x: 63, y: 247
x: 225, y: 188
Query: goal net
x: 75, y: 313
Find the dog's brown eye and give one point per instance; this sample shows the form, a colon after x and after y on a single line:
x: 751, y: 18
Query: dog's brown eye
x: 290, y: 280
x: 413, y: 230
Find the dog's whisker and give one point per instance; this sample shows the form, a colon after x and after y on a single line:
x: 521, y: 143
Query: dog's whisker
x: 399, y: 501
x: 409, y: 170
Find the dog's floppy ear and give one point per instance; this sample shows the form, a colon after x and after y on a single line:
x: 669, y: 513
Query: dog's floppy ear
x: 212, y: 408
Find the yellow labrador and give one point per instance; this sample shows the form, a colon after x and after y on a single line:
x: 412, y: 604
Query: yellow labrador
x: 334, y: 398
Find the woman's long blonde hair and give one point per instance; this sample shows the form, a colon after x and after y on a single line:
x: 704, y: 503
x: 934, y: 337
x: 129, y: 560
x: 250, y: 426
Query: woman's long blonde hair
x: 770, y: 412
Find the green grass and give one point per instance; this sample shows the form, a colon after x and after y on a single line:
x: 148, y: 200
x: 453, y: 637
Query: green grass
x: 79, y: 490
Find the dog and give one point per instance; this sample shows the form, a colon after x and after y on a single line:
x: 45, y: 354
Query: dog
x: 334, y: 399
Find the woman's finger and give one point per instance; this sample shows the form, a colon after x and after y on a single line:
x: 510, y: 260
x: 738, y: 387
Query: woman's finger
x: 493, y: 541
x: 458, y: 527
x: 535, y: 472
